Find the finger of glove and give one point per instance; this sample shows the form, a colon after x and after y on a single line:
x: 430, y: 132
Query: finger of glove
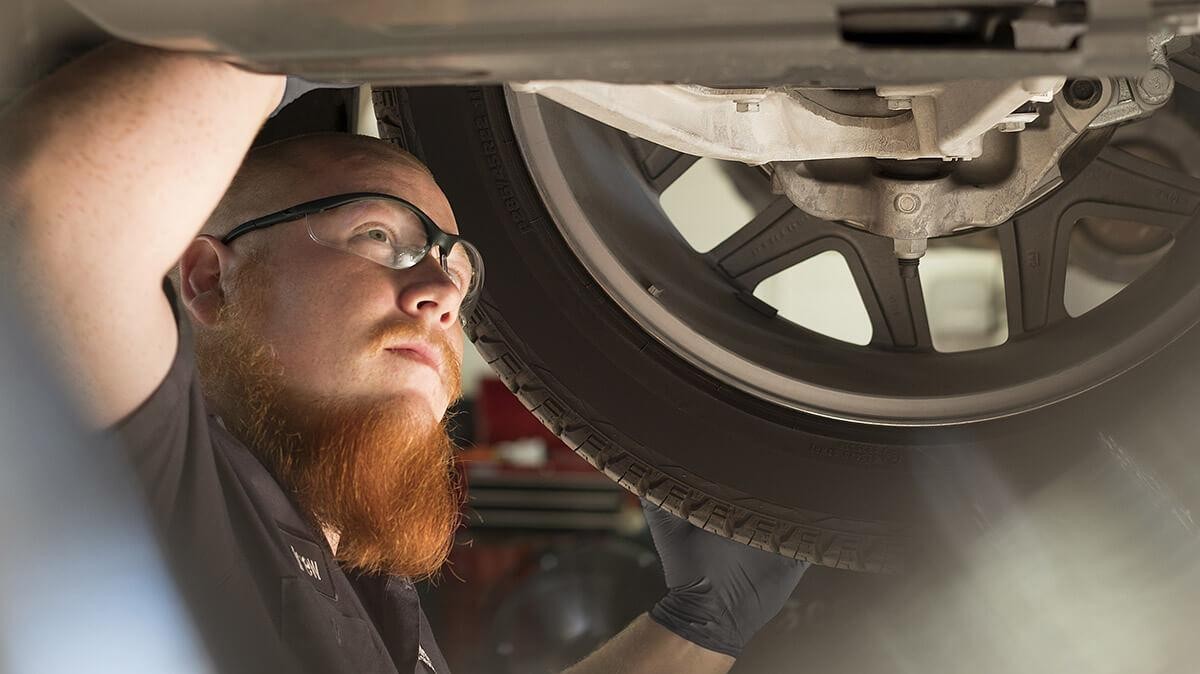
x: 688, y: 551
x: 769, y: 565
x: 773, y: 579
x: 671, y: 537
x: 665, y: 528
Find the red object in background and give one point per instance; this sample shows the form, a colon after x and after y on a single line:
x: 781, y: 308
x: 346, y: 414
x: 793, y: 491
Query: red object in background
x: 500, y: 417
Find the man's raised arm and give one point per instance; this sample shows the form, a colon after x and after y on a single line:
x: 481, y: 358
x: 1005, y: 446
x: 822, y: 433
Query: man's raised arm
x: 108, y: 168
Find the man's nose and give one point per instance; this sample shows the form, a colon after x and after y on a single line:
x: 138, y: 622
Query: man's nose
x: 428, y: 295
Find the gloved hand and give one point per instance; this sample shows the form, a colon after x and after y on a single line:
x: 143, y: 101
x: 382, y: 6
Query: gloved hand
x: 719, y: 592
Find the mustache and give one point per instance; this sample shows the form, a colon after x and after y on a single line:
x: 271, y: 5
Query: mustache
x: 386, y: 334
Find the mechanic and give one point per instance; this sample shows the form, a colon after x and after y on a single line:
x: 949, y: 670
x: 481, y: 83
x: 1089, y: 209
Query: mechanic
x: 283, y: 401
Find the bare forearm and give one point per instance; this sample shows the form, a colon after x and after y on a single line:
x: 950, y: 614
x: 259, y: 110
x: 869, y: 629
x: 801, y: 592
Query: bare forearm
x: 129, y: 146
x: 107, y: 169
x: 646, y: 647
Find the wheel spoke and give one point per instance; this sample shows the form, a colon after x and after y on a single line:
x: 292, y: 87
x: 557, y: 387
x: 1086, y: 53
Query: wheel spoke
x: 891, y: 292
x: 1034, y: 255
x: 777, y: 238
x: 783, y: 236
x: 1035, y: 244
x: 1128, y: 187
x: 661, y: 166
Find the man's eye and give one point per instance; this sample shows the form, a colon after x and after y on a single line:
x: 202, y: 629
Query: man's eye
x: 378, y: 235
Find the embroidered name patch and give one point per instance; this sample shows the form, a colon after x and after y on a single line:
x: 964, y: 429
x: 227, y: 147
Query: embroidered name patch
x: 310, y: 562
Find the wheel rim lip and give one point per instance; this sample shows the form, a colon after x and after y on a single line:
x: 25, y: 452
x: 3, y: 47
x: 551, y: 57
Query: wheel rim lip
x: 839, y: 403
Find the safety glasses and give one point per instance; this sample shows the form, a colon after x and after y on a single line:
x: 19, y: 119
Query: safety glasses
x: 384, y: 229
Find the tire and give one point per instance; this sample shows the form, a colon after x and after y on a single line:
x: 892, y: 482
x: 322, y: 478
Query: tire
x: 841, y: 494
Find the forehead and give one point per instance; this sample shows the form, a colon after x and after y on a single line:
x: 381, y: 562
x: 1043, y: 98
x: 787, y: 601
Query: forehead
x: 374, y: 211
x: 378, y: 172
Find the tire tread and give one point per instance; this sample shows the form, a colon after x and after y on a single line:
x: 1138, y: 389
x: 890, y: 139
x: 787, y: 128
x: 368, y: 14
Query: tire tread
x: 739, y: 522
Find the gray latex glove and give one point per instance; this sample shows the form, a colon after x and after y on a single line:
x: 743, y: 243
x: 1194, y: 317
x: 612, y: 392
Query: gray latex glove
x: 719, y: 592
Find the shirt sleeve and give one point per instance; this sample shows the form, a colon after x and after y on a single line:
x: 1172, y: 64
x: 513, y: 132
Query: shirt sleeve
x: 166, y: 438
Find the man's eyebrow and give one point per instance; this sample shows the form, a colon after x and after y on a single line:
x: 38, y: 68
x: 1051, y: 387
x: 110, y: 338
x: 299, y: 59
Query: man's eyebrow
x: 368, y: 206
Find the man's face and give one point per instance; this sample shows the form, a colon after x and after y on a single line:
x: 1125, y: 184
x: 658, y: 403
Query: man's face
x: 336, y: 371
x: 345, y: 327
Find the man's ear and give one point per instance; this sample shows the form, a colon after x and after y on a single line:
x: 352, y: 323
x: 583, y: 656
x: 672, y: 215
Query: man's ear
x: 204, y: 265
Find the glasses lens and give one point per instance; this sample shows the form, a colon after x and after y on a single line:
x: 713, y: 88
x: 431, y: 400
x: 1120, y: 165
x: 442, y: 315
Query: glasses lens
x: 464, y: 266
x: 383, y: 231
x: 392, y: 234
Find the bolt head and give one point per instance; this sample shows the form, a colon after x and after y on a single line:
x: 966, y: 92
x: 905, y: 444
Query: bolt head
x: 907, y: 202
x: 1156, y: 85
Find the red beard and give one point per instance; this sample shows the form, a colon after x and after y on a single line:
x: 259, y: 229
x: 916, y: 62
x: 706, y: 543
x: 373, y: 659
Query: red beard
x: 382, y: 477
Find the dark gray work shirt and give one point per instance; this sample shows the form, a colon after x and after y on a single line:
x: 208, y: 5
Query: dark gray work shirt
x: 266, y: 592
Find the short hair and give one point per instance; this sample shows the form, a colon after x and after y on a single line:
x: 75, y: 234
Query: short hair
x: 268, y: 174
x: 268, y: 171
